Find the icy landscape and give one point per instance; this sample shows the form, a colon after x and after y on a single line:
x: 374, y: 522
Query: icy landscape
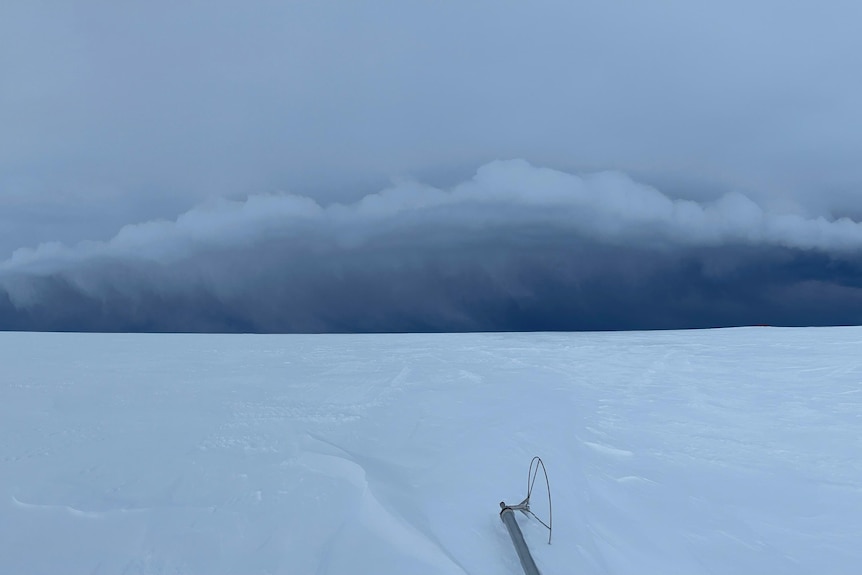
x: 714, y: 451
x: 497, y: 218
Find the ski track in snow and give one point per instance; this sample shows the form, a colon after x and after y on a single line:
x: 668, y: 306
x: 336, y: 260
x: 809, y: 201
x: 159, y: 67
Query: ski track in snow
x: 715, y: 451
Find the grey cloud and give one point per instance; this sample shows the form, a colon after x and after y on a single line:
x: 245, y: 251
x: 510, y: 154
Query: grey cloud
x: 516, y: 247
x: 717, y: 146
x: 166, y: 104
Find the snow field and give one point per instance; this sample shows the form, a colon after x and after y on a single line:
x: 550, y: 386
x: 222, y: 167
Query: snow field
x: 715, y: 451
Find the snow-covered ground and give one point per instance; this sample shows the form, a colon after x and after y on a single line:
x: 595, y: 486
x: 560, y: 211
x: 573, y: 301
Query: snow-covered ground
x: 719, y: 451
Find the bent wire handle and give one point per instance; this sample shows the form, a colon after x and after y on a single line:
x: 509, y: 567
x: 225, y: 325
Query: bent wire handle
x: 526, y: 503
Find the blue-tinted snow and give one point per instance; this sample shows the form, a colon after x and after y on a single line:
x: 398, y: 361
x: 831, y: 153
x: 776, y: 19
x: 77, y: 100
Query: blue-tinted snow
x: 720, y: 451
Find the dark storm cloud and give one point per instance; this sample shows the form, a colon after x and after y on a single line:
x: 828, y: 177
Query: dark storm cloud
x: 742, y: 117
x: 514, y: 248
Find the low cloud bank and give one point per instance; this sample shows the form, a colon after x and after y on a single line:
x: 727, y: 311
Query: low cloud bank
x: 516, y: 247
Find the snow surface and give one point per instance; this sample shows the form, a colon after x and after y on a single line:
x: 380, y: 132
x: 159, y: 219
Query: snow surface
x: 718, y: 451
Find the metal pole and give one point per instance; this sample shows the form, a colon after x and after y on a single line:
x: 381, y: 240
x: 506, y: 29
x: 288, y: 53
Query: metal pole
x: 507, y: 514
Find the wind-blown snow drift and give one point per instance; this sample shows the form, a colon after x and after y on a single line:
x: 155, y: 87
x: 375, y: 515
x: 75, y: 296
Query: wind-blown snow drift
x: 516, y: 247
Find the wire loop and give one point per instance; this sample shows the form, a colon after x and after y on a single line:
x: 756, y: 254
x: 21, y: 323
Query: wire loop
x: 531, y: 480
x: 524, y: 506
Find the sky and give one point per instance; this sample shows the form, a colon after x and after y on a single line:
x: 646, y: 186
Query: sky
x: 411, y: 166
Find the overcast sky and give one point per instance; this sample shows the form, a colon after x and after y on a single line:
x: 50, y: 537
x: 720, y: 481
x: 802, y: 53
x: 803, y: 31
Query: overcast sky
x: 526, y: 165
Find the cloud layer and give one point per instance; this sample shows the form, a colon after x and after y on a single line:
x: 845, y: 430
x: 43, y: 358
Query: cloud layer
x: 516, y: 247
x: 117, y: 112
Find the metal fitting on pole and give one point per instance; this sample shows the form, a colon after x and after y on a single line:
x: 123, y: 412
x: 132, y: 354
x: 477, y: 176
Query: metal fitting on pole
x: 507, y: 514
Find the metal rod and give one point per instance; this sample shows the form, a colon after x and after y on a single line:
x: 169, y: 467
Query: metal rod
x: 507, y: 514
